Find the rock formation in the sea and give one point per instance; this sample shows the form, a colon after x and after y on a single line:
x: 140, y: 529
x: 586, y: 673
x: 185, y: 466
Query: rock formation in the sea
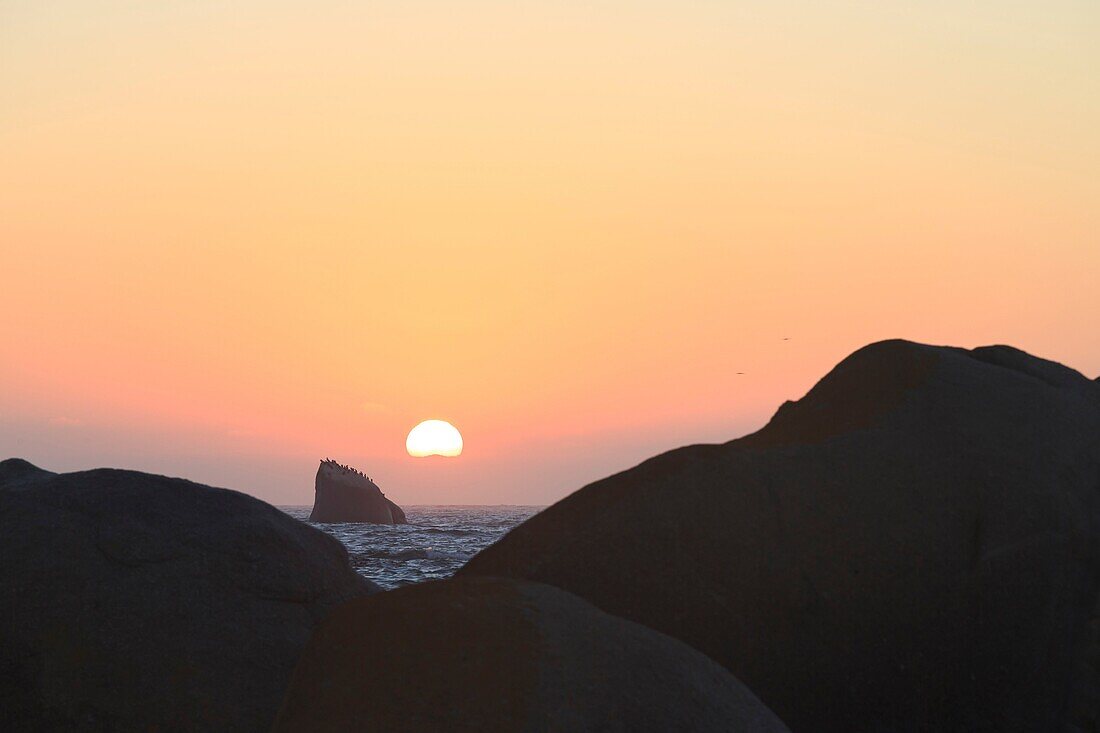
x: 133, y: 602
x: 912, y: 546
x: 486, y: 654
x: 344, y: 494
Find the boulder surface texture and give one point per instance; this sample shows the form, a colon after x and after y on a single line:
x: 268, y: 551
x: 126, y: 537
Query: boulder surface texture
x: 487, y: 654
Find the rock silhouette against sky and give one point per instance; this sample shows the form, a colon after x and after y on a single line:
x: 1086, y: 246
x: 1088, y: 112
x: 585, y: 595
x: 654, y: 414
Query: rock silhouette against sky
x: 344, y: 494
x: 911, y: 546
x: 139, y: 602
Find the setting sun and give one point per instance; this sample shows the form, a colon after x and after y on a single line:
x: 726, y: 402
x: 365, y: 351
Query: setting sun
x: 434, y: 438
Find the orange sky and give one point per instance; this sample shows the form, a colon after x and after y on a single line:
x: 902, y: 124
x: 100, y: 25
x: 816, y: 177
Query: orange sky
x: 239, y: 237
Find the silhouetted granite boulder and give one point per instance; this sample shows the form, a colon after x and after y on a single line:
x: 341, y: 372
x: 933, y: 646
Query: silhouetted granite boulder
x: 1085, y: 714
x: 15, y: 472
x: 488, y: 654
x: 133, y: 602
x: 910, y: 547
x: 344, y: 494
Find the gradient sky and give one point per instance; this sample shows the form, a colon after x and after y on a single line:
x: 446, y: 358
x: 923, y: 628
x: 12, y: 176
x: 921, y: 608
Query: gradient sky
x: 239, y: 237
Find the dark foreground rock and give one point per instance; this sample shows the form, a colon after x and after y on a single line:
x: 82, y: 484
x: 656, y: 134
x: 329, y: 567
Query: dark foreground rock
x: 910, y: 547
x: 132, y: 602
x: 1085, y: 715
x: 344, y: 494
x: 489, y: 654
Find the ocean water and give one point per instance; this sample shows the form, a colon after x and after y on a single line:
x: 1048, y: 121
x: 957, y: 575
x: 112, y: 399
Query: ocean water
x: 436, y: 542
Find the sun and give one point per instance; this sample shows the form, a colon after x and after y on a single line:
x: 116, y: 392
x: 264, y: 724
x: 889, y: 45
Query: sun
x: 434, y: 438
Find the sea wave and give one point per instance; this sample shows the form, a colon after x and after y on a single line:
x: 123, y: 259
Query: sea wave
x: 436, y: 542
x: 453, y: 532
x: 413, y: 553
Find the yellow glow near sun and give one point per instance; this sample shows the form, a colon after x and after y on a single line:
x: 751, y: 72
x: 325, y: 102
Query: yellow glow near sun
x: 434, y: 438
